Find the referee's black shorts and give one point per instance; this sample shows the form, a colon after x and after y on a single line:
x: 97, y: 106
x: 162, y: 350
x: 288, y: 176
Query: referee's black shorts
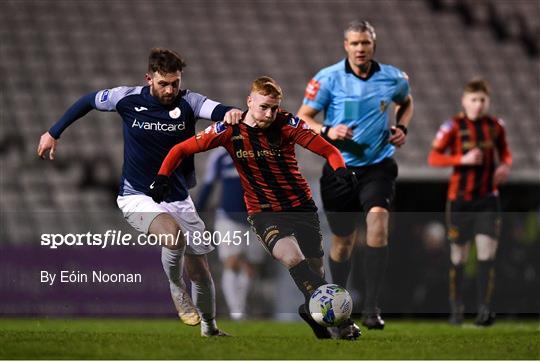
x: 302, y: 222
x: 466, y: 219
x: 344, y: 205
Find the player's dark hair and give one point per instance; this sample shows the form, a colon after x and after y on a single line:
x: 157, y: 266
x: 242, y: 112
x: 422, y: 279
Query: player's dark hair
x: 360, y: 26
x: 165, y: 61
x: 477, y: 85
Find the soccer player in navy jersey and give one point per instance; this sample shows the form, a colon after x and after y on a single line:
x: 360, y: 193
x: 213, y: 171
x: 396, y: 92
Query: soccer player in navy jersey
x: 156, y: 117
x: 278, y: 199
x: 355, y: 95
x: 469, y: 142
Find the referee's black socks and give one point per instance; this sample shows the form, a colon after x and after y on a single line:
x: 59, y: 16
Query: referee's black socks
x: 339, y: 271
x: 375, y: 263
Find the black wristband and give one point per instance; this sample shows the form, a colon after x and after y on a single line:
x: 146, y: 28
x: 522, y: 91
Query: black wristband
x: 324, y: 131
x: 403, y: 128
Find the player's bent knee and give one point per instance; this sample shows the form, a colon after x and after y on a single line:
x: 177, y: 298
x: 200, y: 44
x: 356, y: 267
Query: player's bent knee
x: 287, y: 251
x: 459, y: 253
x: 340, y: 252
x: 377, y: 228
x: 166, y: 229
x: 343, y: 241
x: 486, y: 247
x: 233, y: 262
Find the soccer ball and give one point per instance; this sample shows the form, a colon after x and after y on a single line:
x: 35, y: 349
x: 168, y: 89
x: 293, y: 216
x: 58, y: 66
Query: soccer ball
x: 330, y: 305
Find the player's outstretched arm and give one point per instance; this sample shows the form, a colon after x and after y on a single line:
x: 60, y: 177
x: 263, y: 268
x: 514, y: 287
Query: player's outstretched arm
x: 47, y: 144
x: 212, y: 137
x: 161, y: 187
x: 317, y: 144
x: 49, y: 140
x: 321, y: 147
x: 233, y: 116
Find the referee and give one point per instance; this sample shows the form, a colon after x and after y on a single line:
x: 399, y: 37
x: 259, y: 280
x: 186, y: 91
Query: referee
x: 355, y: 95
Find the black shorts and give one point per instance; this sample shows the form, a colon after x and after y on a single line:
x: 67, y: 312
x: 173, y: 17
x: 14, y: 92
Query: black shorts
x: 301, y: 222
x: 466, y: 219
x: 344, y: 205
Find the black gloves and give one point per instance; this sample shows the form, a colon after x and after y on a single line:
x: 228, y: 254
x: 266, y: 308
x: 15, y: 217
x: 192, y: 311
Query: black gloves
x: 160, y: 188
x: 346, y: 176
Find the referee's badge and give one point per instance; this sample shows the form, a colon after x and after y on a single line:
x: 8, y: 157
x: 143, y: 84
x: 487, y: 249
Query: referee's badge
x: 175, y: 113
x: 383, y: 106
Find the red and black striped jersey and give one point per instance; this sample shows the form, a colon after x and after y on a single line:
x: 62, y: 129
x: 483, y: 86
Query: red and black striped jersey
x: 458, y: 136
x: 265, y: 159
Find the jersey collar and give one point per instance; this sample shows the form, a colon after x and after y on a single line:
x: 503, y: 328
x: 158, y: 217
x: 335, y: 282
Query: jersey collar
x: 146, y: 93
x: 375, y: 67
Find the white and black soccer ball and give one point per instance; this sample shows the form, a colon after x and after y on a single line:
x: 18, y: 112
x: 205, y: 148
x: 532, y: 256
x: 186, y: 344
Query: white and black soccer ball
x: 330, y: 305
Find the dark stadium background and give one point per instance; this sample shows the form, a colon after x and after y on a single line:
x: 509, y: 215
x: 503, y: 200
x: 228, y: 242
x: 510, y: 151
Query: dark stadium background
x: 52, y: 52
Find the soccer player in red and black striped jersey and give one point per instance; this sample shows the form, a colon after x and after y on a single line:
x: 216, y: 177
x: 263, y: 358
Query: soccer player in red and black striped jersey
x: 474, y: 140
x: 278, y: 199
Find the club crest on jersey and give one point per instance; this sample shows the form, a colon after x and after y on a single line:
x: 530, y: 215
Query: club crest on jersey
x: 104, y: 96
x: 220, y: 127
x: 383, y: 106
x: 294, y: 122
x: 175, y: 113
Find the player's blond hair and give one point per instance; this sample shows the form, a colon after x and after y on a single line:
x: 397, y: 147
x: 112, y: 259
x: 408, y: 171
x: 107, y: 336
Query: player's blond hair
x: 267, y: 87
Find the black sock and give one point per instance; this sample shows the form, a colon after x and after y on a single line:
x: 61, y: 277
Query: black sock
x: 485, y: 280
x: 339, y: 271
x: 306, y: 279
x: 455, y: 291
x: 375, y: 263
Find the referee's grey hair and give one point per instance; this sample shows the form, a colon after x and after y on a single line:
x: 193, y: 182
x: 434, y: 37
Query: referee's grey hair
x: 360, y: 26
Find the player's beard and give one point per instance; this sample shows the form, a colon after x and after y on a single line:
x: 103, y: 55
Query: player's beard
x: 162, y: 99
x: 166, y: 100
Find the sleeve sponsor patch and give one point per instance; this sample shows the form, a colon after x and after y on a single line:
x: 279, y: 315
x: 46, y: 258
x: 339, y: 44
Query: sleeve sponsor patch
x: 220, y: 127
x: 445, y: 128
x: 294, y: 122
x: 312, y: 89
x: 104, y: 96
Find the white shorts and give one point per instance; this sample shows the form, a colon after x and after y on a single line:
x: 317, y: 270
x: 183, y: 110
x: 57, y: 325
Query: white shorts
x: 249, y: 247
x: 141, y: 210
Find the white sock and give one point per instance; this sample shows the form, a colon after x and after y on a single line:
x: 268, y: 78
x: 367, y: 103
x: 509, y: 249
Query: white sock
x: 242, y: 290
x: 228, y: 285
x: 204, y: 297
x: 173, y: 265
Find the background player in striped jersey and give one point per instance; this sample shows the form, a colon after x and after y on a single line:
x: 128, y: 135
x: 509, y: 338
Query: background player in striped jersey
x: 240, y: 258
x: 473, y: 139
x: 155, y: 117
x: 355, y: 95
x: 278, y: 199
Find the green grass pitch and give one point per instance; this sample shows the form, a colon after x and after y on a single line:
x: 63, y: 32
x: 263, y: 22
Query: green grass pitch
x: 169, y: 339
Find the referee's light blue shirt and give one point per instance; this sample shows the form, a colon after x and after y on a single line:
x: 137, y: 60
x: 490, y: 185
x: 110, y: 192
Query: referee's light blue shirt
x: 363, y: 104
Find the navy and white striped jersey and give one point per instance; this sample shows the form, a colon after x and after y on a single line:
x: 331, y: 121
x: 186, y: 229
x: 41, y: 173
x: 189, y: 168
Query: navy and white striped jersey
x: 150, y: 130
